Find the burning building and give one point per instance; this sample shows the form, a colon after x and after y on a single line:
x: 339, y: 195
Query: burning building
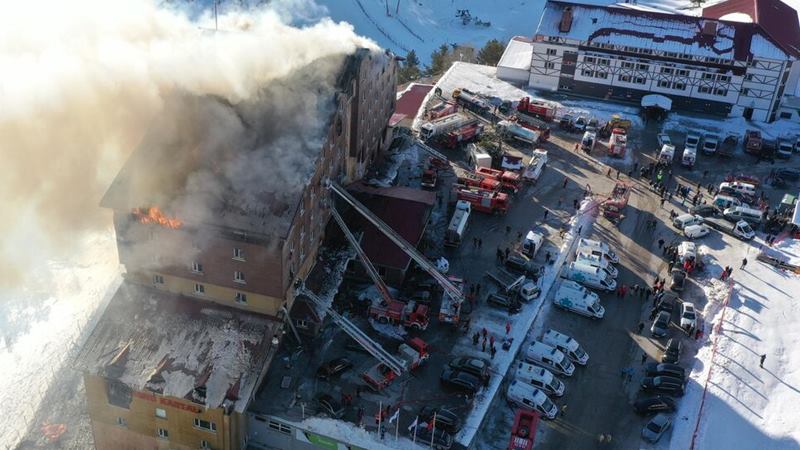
x: 217, y: 212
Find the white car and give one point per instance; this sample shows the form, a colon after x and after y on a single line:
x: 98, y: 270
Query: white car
x: 663, y: 139
x: 688, y: 316
x: 692, y: 142
x: 696, y: 231
x: 687, y: 251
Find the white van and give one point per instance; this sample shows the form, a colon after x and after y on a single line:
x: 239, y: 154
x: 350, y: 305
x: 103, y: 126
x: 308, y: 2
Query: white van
x: 550, y: 358
x: 597, y: 247
x: 684, y: 220
x: 576, y: 298
x: 540, y: 378
x: 749, y: 215
x: 689, y: 157
x: 588, y: 141
x: 532, y: 243
x: 529, y: 290
x: 738, y: 187
x: 667, y: 153
x: 566, y: 345
x: 597, y: 261
x: 528, y: 397
x: 726, y: 201
x: 587, y: 275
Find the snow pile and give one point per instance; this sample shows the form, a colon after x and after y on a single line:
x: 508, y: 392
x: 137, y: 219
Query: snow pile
x: 746, y: 406
x: 735, y: 125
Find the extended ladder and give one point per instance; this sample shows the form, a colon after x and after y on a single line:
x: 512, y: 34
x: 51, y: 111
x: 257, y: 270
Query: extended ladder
x: 393, y: 363
x: 433, y: 152
x: 409, y: 249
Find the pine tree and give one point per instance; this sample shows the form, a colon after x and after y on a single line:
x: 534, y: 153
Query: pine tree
x: 491, y: 53
x: 410, y: 69
x: 439, y: 60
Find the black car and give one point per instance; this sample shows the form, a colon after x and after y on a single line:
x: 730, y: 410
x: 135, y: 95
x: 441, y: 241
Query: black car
x: 421, y: 297
x: 665, y: 304
x: 503, y: 301
x: 518, y: 263
x: 446, y: 419
x: 328, y: 406
x: 678, y: 281
x: 476, y: 366
x: 663, y: 385
x: 787, y: 173
x: 461, y: 381
x: 652, y: 405
x: 670, y: 370
x: 442, y: 440
x: 333, y: 368
x: 704, y: 210
x: 672, y: 352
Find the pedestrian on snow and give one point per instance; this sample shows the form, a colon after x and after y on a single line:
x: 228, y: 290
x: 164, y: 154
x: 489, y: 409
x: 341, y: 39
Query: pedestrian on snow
x: 662, y: 202
x: 560, y: 199
x: 624, y: 290
x: 660, y: 242
x: 483, y: 345
x: 508, y: 229
x: 698, y: 334
x: 475, y: 338
x: 546, y: 212
x: 635, y: 288
x: 493, y: 350
x: 519, y: 234
x: 641, y: 327
x: 575, y: 203
x: 644, y: 358
x: 641, y: 293
x: 508, y: 327
x: 647, y: 293
x: 609, y: 173
x: 580, y: 228
x: 618, y: 174
x: 761, y: 363
x: 547, y: 257
x: 475, y: 242
x: 499, y: 254
x: 478, y: 289
x: 564, y: 184
x: 491, y: 340
x: 563, y: 409
x: 508, y: 250
x: 744, y: 263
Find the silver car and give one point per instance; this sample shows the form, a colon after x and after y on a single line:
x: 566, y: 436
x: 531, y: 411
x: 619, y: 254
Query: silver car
x: 657, y: 426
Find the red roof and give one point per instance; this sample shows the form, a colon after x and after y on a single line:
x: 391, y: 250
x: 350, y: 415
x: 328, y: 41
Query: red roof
x: 404, y: 209
x: 775, y: 18
x: 411, y: 99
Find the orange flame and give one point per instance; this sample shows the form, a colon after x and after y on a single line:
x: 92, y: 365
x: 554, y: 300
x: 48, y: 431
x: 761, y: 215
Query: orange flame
x: 156, y: 216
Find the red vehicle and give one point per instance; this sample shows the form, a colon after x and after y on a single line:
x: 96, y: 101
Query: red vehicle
x: 409, y: 314
x: 450, y: 310
x: 537, y: 108
x: 466, y: 133
x: 429, y: 178
x: 414, y: 353
x: 752, y: 142
x: 617, y: 201
x: 532, y: 123
x: 742, y: 178
x: 618, y: 142
x: 491, y: 202
x: 523, y: 432
x: 510, y: 181
x: 472, y: 179
x: 442, y: 109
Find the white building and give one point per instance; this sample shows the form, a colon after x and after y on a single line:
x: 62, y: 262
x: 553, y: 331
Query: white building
x: 704, y: 64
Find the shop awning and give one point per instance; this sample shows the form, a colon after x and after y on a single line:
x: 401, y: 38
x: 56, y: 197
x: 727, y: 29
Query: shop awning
x: 656, y: 101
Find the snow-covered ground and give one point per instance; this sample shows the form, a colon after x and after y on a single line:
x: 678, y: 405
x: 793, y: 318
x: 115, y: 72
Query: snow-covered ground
x: 745, y: 406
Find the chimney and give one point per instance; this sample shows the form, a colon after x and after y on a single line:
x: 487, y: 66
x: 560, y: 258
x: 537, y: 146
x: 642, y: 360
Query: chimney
x: 709, y: 28
x: 566, y: 20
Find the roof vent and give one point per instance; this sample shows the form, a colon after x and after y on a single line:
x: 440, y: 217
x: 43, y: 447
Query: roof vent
x: 566, y: 20
x: 709, y: 28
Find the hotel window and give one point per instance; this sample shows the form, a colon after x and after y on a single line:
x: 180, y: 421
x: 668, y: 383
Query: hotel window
x: 552, y: 51
x: 121, y: 421
x: 587, y: 73
x: 625, y: 78
x: 238, y: 276
x: 604, y: 62
x: 238, y: 254
x: 679, y: 86
x: 161, y: 413
x: 745, y: 91
x: 197, y: 267
x: 666, y: 70
x: 589, y: 59
x: 204, y: 444
x: 158, y: 279
x: 639, y: 80
x: 163, y: 433
x: 241, y: 298
x: 663, y: 84
x: 683, y: 73
x: 550, y: 65
x: 199, y: 289
x: 644, y: 67
x: 723, y: 78
x: 708, y: 76
x: 721, y: 92
x: 205, y: 425
x: 627, y: 65
x: 704, y: 90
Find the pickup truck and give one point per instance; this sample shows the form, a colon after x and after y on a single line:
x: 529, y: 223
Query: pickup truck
x: 740, y: 229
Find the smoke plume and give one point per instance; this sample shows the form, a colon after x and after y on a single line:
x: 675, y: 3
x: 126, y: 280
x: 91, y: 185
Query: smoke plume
x: 83, y: 82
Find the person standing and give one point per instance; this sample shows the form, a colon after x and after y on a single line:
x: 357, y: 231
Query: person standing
x: 744, y: 263
x: 761, y: 363
x: 641, y: 327
x: 508, y: 327
x: 660, y: 242
x: 644, y: 358
x: 564, y: 184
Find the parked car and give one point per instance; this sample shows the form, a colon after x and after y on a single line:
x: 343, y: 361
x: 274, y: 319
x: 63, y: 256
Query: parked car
x: 654, y: 429
x: 446, y: 419
x: 421, y: 297
x: 788, y: 173
x: 661, y: 324
x: 705, y: 210
x: 442, y: 440
x: 652, y: 405
x: 667, y: 303
x: 696, y: 231
x: 518, y: 263
x: 328, y: 406
x: 672, y: 352
x: 659, y: 369
x: 688, y: 316
x: 461, y: 381
x: 476, y: 366
x: 663, y: 384
x: 663, y: 139
x: 684, y: 220
x: 333, y: 368
x: 678, y: 280
x: 503, y: 301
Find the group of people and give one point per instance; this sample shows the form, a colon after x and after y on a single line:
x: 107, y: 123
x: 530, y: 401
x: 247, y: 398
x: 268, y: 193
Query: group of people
x: 485, y: 337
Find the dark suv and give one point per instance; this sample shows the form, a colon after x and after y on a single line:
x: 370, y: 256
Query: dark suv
x: 446, y: 419
x: 461, y: 381
x: 503, y: 301
x: 663, y: 385
x: 333, y: 368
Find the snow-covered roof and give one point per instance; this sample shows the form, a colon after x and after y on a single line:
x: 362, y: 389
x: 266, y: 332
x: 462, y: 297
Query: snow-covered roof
x: 659, y: 31
x: 155, y: 341
x: 656, y: 100
x: 518, y: 54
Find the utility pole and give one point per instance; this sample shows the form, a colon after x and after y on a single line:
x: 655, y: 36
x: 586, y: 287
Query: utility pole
x: 397, y: 8
x: 216, y: 24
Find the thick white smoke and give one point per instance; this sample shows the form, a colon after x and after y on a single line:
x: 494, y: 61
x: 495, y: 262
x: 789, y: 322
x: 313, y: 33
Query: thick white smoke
x: 82, y: 81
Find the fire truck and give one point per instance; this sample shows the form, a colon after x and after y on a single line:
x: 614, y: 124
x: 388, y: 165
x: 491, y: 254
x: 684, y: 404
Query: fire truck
x: 523, y: 432
x: 532, y: 123
x: 471, y: 179
x: 443, y: 125
x: 411, y: 355
x: 617, y: 142
x: 509, y: 181
x: 450, y: 310
x: 471, y: 100
x: 537, y: 108
x: 466, y: 133
x: 752, y: 142
x: 491, y: 202
x: 617, y: 201
x: 442, y: 109
x: 411, y: 314
x: 513, y: 130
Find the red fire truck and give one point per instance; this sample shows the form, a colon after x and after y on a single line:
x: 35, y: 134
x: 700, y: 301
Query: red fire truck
x: 532, y: 123
x: 491, y: 202
x: 409, y: 314
x: 523, y: 432
x: 537, y: 108
x: 413, y: 354
x: 617, y: 142
x: 471, y: 179
x: 466, y: 133
x: 510, y: 181
x: 617, y: 201
x: 442, y: 109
